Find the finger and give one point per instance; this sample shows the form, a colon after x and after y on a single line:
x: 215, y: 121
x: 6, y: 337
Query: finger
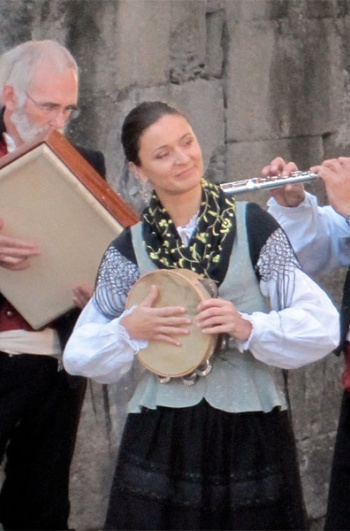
x: 344, y: 161
x: 170, y: 311
x: 151, y: 298
x: 217, y: 329
x: 15, y: 267
x: 83, y: 292
x: 276, y: 165
x: 315, y: 169
x: 332, y: 164
x: 289, y: 168
x: 16, y: 243
x: 14, y: 260
x: 172, y: 331
x: 278, y: 194
x: 289, y: 195
x: 168, y: 339
x: 80, y: 300
x: 279, y: 167
x: 214, y: 306
x: 327, y: 173
x: 78, y: 303
x: 216, y: 316
x: 175, y: 321
x: 17, y: 253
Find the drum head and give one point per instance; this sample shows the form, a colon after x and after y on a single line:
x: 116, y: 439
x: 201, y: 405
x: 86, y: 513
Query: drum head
x: 177, y: 287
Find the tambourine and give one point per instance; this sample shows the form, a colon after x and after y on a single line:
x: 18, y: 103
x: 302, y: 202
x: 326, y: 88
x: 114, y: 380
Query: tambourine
x: 177, y: 287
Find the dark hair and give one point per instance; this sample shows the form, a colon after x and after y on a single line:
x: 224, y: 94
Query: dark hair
x: 137, y: 121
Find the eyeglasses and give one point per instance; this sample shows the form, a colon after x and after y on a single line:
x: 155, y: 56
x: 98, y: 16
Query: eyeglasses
x: 71, y: 111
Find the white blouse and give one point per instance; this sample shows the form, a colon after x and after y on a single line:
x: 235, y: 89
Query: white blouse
x: 304, y: 332
x: 319, y: 235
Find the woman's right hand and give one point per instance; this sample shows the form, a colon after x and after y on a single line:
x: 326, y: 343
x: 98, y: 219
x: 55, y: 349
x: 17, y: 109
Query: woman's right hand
x: 289, y: 195
x: 162, y: 324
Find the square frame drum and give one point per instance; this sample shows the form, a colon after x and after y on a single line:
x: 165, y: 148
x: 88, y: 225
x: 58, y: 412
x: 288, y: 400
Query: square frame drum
x: 51, y: 196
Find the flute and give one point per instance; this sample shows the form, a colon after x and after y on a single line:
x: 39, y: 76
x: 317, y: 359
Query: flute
x: 261, y: 183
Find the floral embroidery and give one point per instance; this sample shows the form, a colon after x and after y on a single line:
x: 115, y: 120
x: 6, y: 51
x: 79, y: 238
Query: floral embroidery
x: 210, y: 242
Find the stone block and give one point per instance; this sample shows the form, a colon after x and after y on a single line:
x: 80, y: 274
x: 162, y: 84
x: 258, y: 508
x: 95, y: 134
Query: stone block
x: 246, y: 159
x: 215, y: 5
x: 248, y: 10
x: 215, y: 24
x: 187, y: 44
x: 267, y: 100
x: 137, y: 48
x: 315, y: 393
x: 315, y: 456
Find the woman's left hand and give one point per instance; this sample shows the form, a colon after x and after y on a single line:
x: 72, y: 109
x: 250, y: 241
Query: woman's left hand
x: 217, y: 316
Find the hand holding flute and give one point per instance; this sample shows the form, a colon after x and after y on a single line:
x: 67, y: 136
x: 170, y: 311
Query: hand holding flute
x: 286, y: 183
x: 336, y: 176
x: 275, y: 179
x: 291, y: 194
x: 334, y: 172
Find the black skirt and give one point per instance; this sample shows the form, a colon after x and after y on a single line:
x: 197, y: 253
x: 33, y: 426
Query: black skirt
x: 202, y: 468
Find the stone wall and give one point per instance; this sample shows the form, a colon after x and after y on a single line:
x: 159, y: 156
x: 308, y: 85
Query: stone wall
x: 257, y: 78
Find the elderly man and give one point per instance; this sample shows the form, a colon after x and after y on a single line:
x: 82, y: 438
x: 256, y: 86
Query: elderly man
x: 40, y: 403
x: 321, y: 238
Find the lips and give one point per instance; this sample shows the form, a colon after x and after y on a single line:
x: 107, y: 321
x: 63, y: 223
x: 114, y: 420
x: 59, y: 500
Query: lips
x: 186, y: 172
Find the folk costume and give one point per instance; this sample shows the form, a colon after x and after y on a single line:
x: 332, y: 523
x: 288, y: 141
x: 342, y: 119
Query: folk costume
x: 320, y: 231
x: 40, y: 405
x: 218, y: 454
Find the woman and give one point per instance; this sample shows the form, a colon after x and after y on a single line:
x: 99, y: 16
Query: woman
x: 218, y: 454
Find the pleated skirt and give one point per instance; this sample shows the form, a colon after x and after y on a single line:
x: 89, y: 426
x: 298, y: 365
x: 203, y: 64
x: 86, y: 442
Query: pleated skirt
x: 202, y: 468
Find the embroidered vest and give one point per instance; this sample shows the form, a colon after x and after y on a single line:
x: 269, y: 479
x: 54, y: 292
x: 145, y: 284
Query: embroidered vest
x: 238, y: 382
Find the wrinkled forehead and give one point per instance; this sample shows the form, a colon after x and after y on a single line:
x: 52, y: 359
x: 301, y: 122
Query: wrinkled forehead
x: 50, y: 83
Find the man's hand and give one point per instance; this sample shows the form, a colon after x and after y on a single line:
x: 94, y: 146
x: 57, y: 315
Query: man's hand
x: 82, y: 293
x: 15, y: 253
x: 336, y: 176
x: 290, y: 195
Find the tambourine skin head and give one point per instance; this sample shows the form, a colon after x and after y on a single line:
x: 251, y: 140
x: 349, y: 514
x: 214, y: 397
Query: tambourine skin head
x: 177, y: 287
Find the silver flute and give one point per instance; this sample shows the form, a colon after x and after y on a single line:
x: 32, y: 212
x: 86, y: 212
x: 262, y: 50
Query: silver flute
x: 260, y: 183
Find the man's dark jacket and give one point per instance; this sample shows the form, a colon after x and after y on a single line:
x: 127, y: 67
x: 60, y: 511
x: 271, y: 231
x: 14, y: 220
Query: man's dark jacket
x: 65, y: 324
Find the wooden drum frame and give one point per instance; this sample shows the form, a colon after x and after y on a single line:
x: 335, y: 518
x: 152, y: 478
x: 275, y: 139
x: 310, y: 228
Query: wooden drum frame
x: 177, y: 287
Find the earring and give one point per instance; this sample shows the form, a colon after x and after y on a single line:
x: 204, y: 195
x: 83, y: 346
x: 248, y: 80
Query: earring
x: 146, y: 192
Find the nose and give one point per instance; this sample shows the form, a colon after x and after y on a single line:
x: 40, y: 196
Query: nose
x: 181, y: 156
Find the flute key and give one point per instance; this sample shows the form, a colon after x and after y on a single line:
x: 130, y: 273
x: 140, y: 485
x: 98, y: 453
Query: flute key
x: 261, y: 183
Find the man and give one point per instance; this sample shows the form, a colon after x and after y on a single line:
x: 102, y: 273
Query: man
x: 40, y: 403
x: 324, y: 232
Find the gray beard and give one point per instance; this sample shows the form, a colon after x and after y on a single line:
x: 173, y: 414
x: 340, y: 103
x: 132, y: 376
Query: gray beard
x: 25, y: 128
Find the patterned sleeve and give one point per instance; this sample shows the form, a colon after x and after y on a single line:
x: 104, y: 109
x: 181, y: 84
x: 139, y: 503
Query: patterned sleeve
x: 116, y: 276
x: 272, y: 254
